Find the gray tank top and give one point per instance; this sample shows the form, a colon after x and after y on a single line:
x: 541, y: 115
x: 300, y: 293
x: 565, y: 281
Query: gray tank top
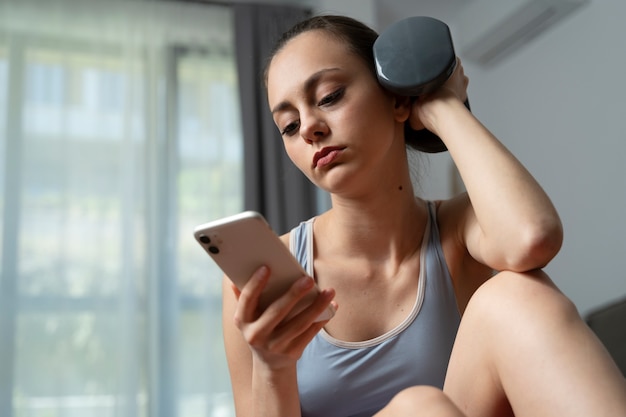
x: 357, y: 379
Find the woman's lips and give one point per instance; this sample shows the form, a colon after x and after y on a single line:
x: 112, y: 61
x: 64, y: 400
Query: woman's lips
x: 326, y: 156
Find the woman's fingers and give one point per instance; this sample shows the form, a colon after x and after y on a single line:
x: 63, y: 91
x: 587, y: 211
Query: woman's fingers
x: 248, y: 306
x: 458, y: 81
x: 276, y: 333
x: 271, y: 318
x: 422, y: 113
x: 235, y: 290
x: 248, y: 299
x: 295, y: 333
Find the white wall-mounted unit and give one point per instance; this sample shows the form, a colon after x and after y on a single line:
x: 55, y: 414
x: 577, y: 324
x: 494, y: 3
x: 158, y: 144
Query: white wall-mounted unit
x: 488, y: 30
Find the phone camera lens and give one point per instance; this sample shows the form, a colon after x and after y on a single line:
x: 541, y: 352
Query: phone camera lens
x: 204, y: 239
x: 214, y: 249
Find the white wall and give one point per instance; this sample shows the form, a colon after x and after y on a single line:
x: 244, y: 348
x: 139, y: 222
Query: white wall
x: 364, y: 10
x: 560, y: 105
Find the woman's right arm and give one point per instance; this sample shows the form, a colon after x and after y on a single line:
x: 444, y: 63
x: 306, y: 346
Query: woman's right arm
x: 262, y: 349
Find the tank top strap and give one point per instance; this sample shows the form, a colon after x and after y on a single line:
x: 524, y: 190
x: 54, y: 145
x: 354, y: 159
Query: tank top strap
x: 301, y: 244
x: 434, y: 228
x: 435, y: 238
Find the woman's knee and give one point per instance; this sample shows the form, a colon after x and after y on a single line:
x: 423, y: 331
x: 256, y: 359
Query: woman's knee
x: 512, y: 297
x: 421, y: 401
x: 509, y: 321
x: 535, y: 349
x: 419, y: 396
x: 516, y: 312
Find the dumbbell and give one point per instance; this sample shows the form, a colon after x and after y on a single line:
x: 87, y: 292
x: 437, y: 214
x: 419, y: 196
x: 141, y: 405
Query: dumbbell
x: 415, y: 56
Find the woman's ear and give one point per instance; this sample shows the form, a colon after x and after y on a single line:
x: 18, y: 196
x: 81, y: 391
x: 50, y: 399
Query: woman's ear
x: 402, y: 108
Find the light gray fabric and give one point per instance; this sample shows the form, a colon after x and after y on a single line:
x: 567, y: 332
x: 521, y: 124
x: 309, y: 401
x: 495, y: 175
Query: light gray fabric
x: 273, y: 185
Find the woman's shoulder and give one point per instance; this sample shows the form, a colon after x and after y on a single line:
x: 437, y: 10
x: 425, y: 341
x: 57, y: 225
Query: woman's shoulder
x: 286, y: 237
x: 454, y: 216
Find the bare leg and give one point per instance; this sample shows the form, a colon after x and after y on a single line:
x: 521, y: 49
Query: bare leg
x: 421, y: 401
x: 523, y: 348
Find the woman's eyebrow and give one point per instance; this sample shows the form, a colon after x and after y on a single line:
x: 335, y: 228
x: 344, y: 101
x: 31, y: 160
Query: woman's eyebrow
x: 308, y: 85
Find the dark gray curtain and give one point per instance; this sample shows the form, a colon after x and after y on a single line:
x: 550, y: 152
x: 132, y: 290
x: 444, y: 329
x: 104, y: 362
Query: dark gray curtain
x: 273, y: 185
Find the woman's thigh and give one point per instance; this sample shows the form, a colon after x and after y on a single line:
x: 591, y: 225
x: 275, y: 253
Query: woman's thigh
x: 420, y: 401
x: 522, y: 348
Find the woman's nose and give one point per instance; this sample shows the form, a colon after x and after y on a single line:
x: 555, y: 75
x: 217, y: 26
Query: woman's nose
x: 313, y: 129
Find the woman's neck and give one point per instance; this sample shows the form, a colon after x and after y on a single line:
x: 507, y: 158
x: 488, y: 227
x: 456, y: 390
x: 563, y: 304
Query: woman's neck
x: 387, y: 225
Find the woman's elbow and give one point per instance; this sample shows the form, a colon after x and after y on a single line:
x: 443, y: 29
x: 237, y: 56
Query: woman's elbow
x: 541, y: 243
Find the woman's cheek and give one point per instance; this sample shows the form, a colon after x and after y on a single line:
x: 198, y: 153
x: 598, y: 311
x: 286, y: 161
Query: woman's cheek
x: 298, y: 156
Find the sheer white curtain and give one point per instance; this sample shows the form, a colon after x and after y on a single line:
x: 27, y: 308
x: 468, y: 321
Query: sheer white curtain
x: 119, y: 132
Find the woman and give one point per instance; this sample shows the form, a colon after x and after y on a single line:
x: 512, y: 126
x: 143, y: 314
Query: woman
x: 401, y: 271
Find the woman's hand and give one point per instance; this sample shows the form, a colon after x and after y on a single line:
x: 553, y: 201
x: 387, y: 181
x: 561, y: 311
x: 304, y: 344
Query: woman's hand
x: 275, y: 337
x: 423, y: 109
x: 263, y: 346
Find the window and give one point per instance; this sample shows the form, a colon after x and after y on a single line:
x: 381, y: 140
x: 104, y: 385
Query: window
x: 119, y: 132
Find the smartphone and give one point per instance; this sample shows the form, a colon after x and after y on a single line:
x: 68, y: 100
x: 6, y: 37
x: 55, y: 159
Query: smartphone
x: 242, y: 243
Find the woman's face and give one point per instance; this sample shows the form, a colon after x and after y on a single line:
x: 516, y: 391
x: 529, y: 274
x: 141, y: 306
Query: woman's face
x: 335, y: 119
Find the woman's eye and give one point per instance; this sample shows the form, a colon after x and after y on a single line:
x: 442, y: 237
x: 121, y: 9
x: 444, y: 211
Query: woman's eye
x: 331, y: 98
x: 290, y: 129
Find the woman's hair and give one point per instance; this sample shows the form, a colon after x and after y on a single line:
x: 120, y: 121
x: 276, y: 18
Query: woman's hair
x: 358, y: 37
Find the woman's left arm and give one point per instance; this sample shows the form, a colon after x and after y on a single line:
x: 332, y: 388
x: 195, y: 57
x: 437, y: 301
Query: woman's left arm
x: 509, y: 222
